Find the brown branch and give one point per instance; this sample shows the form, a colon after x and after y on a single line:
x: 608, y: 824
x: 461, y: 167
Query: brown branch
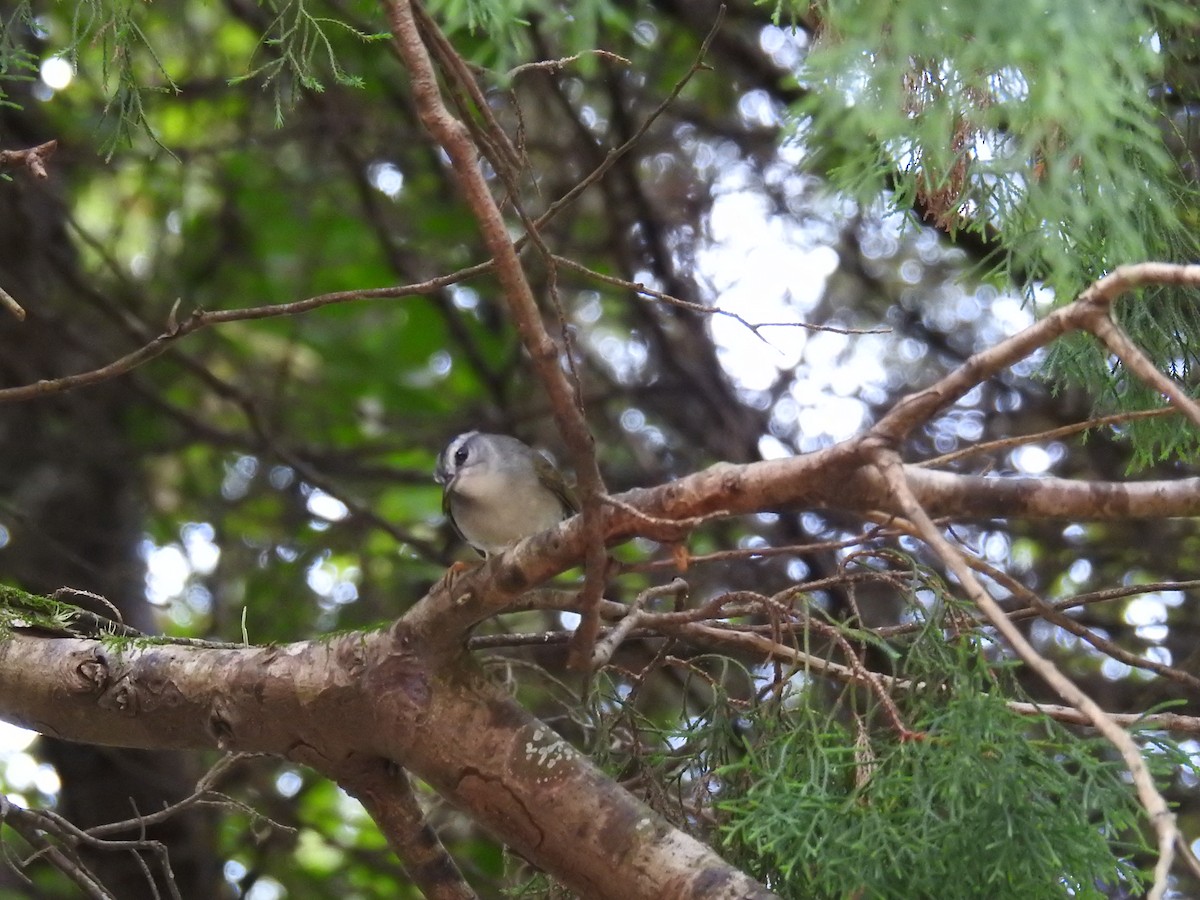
x: 1088, y: 312
x: 156, y: 346
x: 1049, y: 611
x: 308, y: 701
x: 385, y: 792
x: 1107, y: 594
x: 201, y: 319
x: 1070, y: 715
x: 7, y: 301
x: 604, y: 649
x: 556, y: 65
x: 56, y: 839
x: 1101, y: 324
x: 204, y: 795
x: 978, y: 497
x: 32, y: 158
x: 33, y: 827
x: 455, y: 139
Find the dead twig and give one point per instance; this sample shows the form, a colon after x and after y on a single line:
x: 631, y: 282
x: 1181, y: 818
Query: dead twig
x: 32, y: 158
x: 604, y: 649
x: 7, y: 301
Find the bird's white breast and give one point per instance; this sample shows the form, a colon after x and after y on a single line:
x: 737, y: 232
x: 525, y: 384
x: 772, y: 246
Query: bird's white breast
x: 494, y: 511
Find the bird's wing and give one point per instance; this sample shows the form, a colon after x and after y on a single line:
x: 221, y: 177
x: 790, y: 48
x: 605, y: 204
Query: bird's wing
x: 553, y: 479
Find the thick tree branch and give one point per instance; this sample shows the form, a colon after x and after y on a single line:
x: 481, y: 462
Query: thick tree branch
x: 836, y: 478
x: 309, y: 701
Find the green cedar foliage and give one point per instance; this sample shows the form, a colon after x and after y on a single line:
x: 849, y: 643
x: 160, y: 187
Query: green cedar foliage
x: 1039, y: 128
x: 983, y: 803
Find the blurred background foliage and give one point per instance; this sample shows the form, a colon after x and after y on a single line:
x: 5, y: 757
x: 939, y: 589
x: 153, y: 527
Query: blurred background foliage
x: 915, y: 180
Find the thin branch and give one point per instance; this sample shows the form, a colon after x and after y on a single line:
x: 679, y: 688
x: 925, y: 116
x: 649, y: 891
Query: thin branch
x: 614, y: 155
x: 557, y: 65
x: 7, y: 301
x: 604, y: 649
x: 387, y: 795
x: 1054, y: 616
x: 699, y: 308
x: 1050, y: 434
x: 201, y: 319
x: 205, y: 794
x: 39, y: 826
x: 32, y: 158
x: 1071, y: 715
x: 661, y: 529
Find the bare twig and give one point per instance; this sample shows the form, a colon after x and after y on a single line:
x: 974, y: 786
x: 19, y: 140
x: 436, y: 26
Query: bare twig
x: 1051, y: 434
x: 55, y: 839
x: 204, y: 795
x: 555, y: 65
x: 614, y: 156
x: 1053, y: 615
x: 201, y: 319
x: 103, y: 601
x: 700, y: 308
x: 7, y: 301
x: 604, y: 649
x: 32, y: 158
x: 665, y: 530
x: 1071, y: 715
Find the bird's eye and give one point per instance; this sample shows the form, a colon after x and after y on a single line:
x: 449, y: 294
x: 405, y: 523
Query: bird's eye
x: 460, y: 456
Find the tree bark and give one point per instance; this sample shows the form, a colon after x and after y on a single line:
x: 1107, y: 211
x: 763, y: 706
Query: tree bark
x: 355, y: 700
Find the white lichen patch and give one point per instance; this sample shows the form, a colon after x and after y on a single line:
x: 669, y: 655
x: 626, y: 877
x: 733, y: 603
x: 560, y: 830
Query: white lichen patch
x: 546, y: 750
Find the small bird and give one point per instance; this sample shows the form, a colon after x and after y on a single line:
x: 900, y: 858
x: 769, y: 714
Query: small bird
x: 497, y: 490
